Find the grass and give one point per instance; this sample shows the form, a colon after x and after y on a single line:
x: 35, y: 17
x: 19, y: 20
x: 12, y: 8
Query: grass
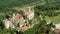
x: 55, y: 19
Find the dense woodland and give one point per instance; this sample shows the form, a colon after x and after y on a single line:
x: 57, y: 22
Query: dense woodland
x: 47, y: 9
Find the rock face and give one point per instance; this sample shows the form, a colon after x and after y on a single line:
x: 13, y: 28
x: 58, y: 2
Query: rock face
x: 57, y: 31
x: 30, y: 16
x: 28, y: 12
x: 14, y: 21
x: 18, y: 20
x: 8, y: 24
x: 57, y: 26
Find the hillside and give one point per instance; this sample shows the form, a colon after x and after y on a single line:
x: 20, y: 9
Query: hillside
x: 15, y: 16
x: 15, y: 3
x: 4, y: 4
